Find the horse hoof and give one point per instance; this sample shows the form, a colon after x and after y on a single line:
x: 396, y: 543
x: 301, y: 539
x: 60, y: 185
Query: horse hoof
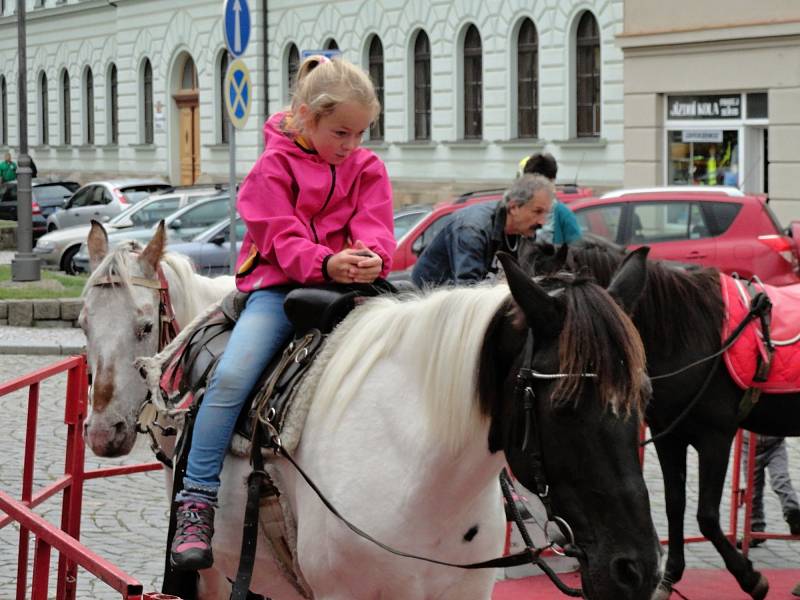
x: 663, y: 591
x: 760, y: 589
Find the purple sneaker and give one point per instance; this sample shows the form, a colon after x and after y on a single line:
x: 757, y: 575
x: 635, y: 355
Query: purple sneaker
x: 191, y: 546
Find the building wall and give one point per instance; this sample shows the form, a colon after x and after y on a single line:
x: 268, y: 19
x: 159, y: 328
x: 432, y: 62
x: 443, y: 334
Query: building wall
x: 448, y: 163
x: 753, y: 56
x: 73, y: 35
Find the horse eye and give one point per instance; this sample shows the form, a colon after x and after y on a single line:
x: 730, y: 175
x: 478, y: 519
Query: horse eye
x: 144, y: 330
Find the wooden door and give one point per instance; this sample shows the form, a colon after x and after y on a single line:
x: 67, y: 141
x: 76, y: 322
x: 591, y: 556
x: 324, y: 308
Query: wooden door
x: 189, y: 137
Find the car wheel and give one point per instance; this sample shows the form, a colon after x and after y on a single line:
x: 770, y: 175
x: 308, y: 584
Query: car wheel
x: 51, y: 227
x: 66, y: 260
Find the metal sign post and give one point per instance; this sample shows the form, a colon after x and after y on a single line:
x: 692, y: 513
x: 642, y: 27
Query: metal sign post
x: 238, y: 94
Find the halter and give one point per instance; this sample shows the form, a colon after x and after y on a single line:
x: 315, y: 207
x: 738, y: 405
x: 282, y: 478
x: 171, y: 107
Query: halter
x: 168, y: 328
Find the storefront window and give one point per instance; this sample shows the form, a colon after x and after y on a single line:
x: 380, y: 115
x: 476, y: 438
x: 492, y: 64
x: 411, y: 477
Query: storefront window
x: 703, y: 157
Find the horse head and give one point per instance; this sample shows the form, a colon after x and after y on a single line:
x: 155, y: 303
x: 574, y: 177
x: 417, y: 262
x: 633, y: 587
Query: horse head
x: 121, y: 321
x: 565, y: 385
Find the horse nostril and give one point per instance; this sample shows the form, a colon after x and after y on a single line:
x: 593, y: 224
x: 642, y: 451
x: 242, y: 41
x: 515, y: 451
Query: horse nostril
x: 119, y: 427
x: 626, y: 573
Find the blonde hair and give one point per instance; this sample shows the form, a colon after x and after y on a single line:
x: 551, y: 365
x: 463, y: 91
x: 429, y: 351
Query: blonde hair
x: 323, y: 84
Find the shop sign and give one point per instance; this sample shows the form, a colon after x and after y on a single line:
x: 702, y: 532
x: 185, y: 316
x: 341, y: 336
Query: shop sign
x: 702, y: 136
x: 705, y: 107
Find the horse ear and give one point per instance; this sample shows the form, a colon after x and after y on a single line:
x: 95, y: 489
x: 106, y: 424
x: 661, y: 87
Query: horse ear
x: 97, y: 242
x: 628, y: 283
x: 541, y: 311
x: 155, y: 247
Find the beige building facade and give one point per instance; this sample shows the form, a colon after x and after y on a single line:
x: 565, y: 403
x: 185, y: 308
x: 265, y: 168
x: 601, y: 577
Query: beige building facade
x: 712, y: 96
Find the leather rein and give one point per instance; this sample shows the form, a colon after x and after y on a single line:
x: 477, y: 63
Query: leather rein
x: 531, y: 554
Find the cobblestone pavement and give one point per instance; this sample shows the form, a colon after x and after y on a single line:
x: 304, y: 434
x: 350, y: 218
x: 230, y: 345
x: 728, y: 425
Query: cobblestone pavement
x: 124, y: 518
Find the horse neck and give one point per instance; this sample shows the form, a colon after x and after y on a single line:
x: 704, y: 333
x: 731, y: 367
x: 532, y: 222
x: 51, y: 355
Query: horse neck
x: 191, y: 295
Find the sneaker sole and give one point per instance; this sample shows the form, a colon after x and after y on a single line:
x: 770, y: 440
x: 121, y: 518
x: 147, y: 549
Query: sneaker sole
x: 191, y: 564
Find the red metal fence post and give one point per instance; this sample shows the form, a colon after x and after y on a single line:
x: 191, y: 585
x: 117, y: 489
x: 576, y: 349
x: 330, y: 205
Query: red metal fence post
x: 74, y: 417
x: 41, y: 570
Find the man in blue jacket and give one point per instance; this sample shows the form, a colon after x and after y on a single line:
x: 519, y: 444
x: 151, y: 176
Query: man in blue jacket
x: 463, y: 251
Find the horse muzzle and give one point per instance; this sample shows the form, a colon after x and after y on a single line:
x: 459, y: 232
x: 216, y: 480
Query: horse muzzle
x: 108, y: 437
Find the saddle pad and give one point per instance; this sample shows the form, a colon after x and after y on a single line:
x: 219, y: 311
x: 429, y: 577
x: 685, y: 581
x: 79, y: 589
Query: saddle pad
x: 784, y: 376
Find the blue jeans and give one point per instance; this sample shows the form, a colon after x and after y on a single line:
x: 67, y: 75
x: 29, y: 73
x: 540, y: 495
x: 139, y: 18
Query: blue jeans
x: 260, y: 332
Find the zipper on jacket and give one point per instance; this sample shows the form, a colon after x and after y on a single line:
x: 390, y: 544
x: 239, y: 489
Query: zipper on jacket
x: 328, y: 199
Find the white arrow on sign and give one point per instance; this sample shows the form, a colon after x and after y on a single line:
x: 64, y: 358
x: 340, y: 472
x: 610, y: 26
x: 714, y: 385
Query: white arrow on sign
x: 237, y: 36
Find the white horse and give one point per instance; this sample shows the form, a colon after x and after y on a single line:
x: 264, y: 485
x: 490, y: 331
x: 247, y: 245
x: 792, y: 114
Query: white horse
x: 413, y: 416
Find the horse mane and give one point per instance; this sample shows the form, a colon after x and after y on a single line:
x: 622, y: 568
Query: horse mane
x: 439, y: 335
x: 674, y: 310
x: 194, y: 290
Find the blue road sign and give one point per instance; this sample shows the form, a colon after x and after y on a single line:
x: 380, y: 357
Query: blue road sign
x: 238, y: 93
x: 237, y: 26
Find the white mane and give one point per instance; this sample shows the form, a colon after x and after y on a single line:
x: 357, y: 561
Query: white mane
x: 191, y: 293
x: 439, y: 335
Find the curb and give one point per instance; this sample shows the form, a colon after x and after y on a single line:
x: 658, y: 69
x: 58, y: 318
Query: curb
x: 54, y: 350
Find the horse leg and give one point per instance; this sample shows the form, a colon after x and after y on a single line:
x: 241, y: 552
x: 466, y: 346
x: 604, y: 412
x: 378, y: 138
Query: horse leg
x: 672, y: 458
x: 713, y: 451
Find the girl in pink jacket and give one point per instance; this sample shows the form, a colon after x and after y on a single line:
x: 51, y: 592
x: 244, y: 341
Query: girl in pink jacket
x: 318, y: 209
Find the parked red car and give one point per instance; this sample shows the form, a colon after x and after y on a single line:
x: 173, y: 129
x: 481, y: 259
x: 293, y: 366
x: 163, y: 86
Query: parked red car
x: 709, y: 226
x: 411, y: 244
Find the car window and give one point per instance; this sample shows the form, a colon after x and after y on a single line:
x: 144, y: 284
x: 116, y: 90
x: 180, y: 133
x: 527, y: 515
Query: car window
x: 404, y: 222
x: 430, y: 232
x: 153, y: 212
x: 136, y: 193
x: 204, y: 215
x: 603, y: 221
x: 82, y: 197
x: 98, y: 196
x: 666, y: 222
x: 51, y: 192
x: 721, y: 215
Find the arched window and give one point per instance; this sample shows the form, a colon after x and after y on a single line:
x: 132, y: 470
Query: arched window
x: 147, y: 106
x: 44, y: 113
x: 587, y: 71
x: 473, y: 84
x: 3, y: 112
x: 527, y: 81
x: 224, y: 119
x: 113, y: 105
x: 292, y: 66
x: 189, y: 76
x: 331, y: 45
x: 376, y: 74
x: 422, y: 87
x: 66, y: 110
x: 88, y: 106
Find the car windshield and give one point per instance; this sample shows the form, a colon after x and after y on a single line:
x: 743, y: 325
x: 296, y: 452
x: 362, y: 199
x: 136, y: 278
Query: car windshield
x: 405, y: 221
x: 51, y: 192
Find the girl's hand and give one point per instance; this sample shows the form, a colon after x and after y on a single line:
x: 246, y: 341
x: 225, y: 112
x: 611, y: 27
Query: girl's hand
x: 370, y: 265
x: 342, y: 266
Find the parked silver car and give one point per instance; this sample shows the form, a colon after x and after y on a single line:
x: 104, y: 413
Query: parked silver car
x: 101, y: 200
x: 210, y: 250
x: 58, y: 248
x: 181, y: 225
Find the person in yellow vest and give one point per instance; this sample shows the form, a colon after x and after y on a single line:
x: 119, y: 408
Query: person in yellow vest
x: 714, y: 166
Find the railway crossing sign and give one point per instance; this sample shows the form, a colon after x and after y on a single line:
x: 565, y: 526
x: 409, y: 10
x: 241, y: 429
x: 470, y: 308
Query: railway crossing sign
x: 237, y: 26
x: 238, y: 93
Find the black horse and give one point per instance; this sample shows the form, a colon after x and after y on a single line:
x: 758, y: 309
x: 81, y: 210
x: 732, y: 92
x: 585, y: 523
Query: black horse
x: 680, y: 318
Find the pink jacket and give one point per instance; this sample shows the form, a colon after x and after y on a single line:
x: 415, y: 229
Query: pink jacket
x: 299, y: 209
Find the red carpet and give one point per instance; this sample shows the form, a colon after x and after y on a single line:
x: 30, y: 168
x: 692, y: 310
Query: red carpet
x: 696, y: 585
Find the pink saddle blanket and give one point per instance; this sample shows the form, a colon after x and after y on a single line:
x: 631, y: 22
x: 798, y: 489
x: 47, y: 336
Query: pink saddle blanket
x: 784, y: 376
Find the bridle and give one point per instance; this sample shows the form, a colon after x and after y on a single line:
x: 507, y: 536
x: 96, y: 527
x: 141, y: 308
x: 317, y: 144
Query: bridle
x: 168, y: 327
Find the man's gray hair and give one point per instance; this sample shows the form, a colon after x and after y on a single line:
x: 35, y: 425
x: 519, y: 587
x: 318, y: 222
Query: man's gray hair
x: 525, y: 187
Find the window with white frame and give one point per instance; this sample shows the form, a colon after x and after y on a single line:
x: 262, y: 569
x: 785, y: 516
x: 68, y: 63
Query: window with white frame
x: 224, y: 118
x: 376, y: 74
x: 88, y: 107
x: 473, y: 84
x: 44, y: 113
x: 527, y: 81
x: 113, y: 105
x: 147, y: 102
x: 3, y: 112
x: 292, y: 66
x: 422, y: 87
x: 587, y: 77
x: 66, y: 110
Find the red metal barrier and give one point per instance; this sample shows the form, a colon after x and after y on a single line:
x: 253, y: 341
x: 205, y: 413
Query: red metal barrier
x: 65, y: 540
